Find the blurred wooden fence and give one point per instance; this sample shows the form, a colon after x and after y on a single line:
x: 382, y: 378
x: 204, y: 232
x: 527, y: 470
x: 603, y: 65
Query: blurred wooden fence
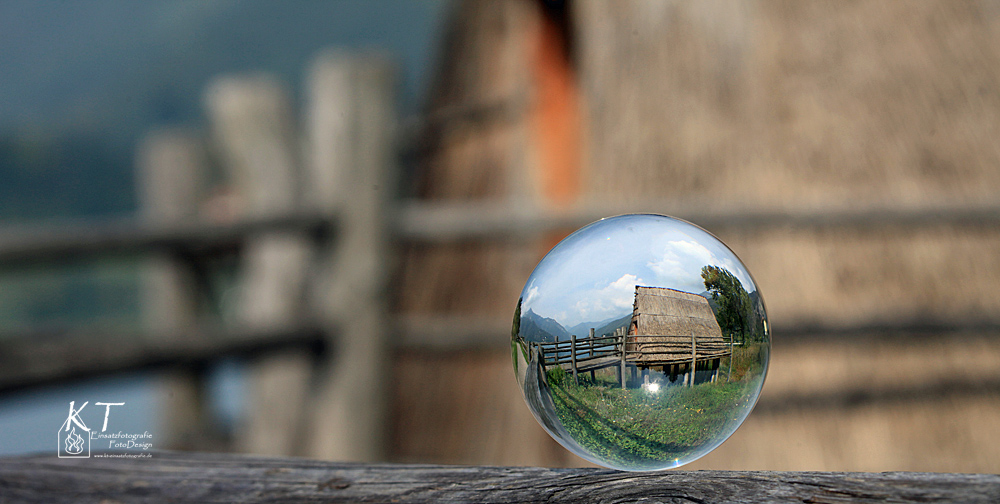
x: 315, y: 229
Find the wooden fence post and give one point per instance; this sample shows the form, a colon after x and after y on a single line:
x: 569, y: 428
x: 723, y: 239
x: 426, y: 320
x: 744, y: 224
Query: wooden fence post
x: 593, y: 378
x: 351, y: 160
x: 694, y: 360
x: 540, y: 356
x: 170, y: 172
x: 622, y: 370
x: 253, y: 127
x: 572, y: 357
x: 730, y: 371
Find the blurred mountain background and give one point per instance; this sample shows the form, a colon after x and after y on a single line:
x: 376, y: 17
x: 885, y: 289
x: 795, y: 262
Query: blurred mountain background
x: 81, y: 81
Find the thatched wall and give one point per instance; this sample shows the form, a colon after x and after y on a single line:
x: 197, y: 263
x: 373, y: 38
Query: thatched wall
x: 667, y: 311
x: 465, y: 407
x: 751, y: 105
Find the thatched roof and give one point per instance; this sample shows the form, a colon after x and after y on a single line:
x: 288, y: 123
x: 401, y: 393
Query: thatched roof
x: 667, y: 312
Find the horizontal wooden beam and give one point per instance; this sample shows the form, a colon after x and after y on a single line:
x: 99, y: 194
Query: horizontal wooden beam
x: 200, y: 477
x: 942, y: 390
x: 41, y: 357
x: 73, y: 240
x: 473, y: 221
x: 57, y: 356
x: 451, y: 332
x: 459, y: 332
x: 419, y: 135
x: 898, y: 329
x: 449, y: 222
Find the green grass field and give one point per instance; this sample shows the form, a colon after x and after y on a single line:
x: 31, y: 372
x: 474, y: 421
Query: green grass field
x: 638, y: 429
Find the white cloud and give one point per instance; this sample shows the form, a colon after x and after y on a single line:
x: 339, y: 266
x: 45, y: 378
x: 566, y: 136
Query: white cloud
x: 621, y: 292
x: 532, y: 295
x: 682, y: 261
x: 612, y: 299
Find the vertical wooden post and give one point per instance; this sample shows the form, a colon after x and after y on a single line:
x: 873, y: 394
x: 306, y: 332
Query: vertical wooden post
x: 621, y: 372
x: 540, y: 357
x: 351, y: 161
x: 730, y: 372
x: 171, y: 168
x: 572, y: 357
x: 591, y: 342
x: 694, y: 359
x: 253, y: 128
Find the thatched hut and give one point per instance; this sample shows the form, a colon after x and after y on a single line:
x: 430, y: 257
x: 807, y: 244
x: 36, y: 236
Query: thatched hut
x: 670, y: 326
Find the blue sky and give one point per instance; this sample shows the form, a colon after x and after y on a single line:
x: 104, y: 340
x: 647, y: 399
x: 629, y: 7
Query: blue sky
x: 592, y: 274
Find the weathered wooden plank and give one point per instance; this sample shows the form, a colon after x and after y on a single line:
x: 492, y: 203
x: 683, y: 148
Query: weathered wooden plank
x: 55, y: 356
x: 253, y: 123
x: 351, y: 147
x: 191, y: 477
x: 80, y: 239
x: 171, y: 172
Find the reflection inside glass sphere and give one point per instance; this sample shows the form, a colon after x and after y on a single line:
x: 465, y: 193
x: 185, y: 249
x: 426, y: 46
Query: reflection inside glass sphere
x: 640, y: 342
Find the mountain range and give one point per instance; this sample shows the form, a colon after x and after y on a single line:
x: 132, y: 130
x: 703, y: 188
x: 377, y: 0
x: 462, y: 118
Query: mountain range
x: 583, y: 328
x: 534, y: 327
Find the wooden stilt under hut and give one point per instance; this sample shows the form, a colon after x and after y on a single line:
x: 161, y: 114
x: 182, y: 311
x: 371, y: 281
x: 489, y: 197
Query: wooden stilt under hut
x: 671, y: 328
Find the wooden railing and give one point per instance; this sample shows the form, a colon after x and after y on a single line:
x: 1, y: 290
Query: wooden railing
x: 579, y: 351
x: 414, y: 221
x: 589, y: 354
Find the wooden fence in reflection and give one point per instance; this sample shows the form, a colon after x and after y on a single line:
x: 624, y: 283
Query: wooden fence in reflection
x: 675, y: 355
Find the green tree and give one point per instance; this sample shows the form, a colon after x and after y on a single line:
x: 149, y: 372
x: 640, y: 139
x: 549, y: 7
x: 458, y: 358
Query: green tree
x: 515, y: 336
x: 735, y: 311
x: 515, y: 330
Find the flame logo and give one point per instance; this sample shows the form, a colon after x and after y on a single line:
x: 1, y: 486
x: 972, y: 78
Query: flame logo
x: 74, y: 443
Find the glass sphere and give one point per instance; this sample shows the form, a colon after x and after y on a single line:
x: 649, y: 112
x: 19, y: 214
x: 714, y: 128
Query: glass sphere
x: 640, y: 342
